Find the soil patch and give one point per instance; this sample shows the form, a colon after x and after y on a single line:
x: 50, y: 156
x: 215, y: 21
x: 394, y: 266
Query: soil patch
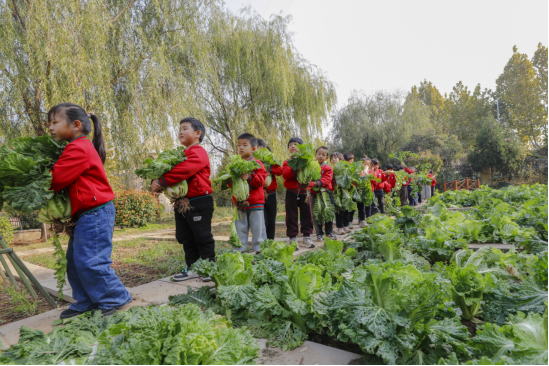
x: 471, y: 327
x: 135, y: 274
x: 20, y: 305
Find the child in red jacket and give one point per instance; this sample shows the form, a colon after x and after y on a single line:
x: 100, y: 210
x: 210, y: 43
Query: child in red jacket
x: 270, y: 210
x: 325, y: 181
x: 378, y: 186
x: 251, y: 217
x: 433, y: 182
x: 194, y: 228
x: 80, y: 170
x: 296, y: 201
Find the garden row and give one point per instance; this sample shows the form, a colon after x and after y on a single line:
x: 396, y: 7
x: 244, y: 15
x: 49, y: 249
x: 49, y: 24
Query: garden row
x: 405, y: 290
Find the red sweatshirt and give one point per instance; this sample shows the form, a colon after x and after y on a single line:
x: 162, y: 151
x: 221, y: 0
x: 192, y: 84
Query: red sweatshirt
x: 257, y: 195
x: 275, y: 170
x: 391, y: 179
x: 80, y: 169
x: 378, y: 173
x: 195, y: 170
x: 290, y: 179
x: 434, y: 181
x: 326, y: 176
x: 387, y: 187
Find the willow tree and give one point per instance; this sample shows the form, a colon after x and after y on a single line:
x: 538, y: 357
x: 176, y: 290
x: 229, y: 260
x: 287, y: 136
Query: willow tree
x: 113, y: 57
x: 249, y: 78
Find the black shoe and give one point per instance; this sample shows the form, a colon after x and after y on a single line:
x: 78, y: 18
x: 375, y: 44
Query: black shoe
x: 105, y: 312
x: 182, y: 276
x: 69, y: 313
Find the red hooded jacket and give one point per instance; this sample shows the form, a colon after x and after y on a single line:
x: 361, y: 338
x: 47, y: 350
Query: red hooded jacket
x: 275, y: 170
x: 257, y: 195
x: 378, y: 173
x: 434, y: 181
x: 391, y: 179
x: 195, y: 170
x: 290, y: 179
x: 80, y: 170
x: 326, y: 177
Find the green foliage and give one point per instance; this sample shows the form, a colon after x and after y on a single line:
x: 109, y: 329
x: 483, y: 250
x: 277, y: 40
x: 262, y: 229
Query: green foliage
x: 235, y: 168
x: 166, y: 160
x: 6, y: 229
x: 135, y: 208
x: 494, y: 150
x: 266, y: 157
x: 25, y: 177
x: 305, y: 164
x: 323, y: 210
x: 60, y: 266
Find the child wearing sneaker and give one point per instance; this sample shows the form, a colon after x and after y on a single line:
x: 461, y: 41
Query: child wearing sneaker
x: 194, y: 228
x: 325, y: 182
x: 296, y: 201
x: 251, y: 217
x: 270, y: 196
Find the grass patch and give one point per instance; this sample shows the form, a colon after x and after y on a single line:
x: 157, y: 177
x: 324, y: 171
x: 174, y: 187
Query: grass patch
x: 138, y: 261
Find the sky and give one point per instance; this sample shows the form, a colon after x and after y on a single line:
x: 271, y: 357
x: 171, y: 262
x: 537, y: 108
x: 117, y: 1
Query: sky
x: 386, y: 45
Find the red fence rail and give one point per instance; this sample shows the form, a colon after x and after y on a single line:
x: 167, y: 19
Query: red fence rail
x: 456, y: 185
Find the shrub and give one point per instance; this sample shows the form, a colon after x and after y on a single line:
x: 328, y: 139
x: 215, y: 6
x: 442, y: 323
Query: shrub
x: 6, y: 230
x: 135, y: 208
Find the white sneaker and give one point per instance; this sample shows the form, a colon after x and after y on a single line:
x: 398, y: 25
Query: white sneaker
x: 308, y: 242
x: 347, y: 230
x: 363, y: 223
x: 350, y: 226
x: 319, y: 238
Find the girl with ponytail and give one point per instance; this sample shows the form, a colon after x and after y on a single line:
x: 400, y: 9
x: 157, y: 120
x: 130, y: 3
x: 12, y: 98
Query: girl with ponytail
x: 80, y: 170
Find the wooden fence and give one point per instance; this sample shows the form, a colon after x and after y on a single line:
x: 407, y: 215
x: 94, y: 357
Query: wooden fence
x: 456, y: 185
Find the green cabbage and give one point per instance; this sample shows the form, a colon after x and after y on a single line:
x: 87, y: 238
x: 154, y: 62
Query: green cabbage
x: 57, y: 208
x: 304, y: 163
x: 176, y: 191
x: 269, y: 180
x: 266, y: 157
x: 235, y: 168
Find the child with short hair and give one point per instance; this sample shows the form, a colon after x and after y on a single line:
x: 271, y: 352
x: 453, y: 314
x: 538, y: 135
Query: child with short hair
x: 296, y: 201
x: 378, y: 186
x: 433, y: 182
x: 80, y: 170
x: 251, y: 217
x: 325, y: 181
x: 270, y: 196
x: 193, y: 229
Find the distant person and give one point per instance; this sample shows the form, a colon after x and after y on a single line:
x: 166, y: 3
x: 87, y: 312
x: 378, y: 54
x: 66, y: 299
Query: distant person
x: 325, y: 182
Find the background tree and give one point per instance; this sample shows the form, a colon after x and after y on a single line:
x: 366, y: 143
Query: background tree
x: 251, y: 78
x: 429, y: 95
x: 494, y: 150
x: 522, y: 106
x: 377, y: 124
x: 464, y: 110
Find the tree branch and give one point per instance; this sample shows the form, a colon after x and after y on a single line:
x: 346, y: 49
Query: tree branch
x: 123, y: 11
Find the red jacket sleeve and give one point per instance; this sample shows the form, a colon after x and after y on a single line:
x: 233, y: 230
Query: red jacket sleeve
x: 325, y: 180
x: 287, y: 172
x: 409, y: 171
x: 276, y: 170
x: 72, y: 163
x: 197, y: 159
x: 258, y: 176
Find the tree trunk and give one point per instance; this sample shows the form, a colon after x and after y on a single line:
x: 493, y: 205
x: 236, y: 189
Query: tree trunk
x: 44, y: 232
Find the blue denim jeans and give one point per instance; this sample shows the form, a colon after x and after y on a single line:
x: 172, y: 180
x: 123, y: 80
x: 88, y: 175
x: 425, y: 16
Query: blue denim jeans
x: 93, y: 281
